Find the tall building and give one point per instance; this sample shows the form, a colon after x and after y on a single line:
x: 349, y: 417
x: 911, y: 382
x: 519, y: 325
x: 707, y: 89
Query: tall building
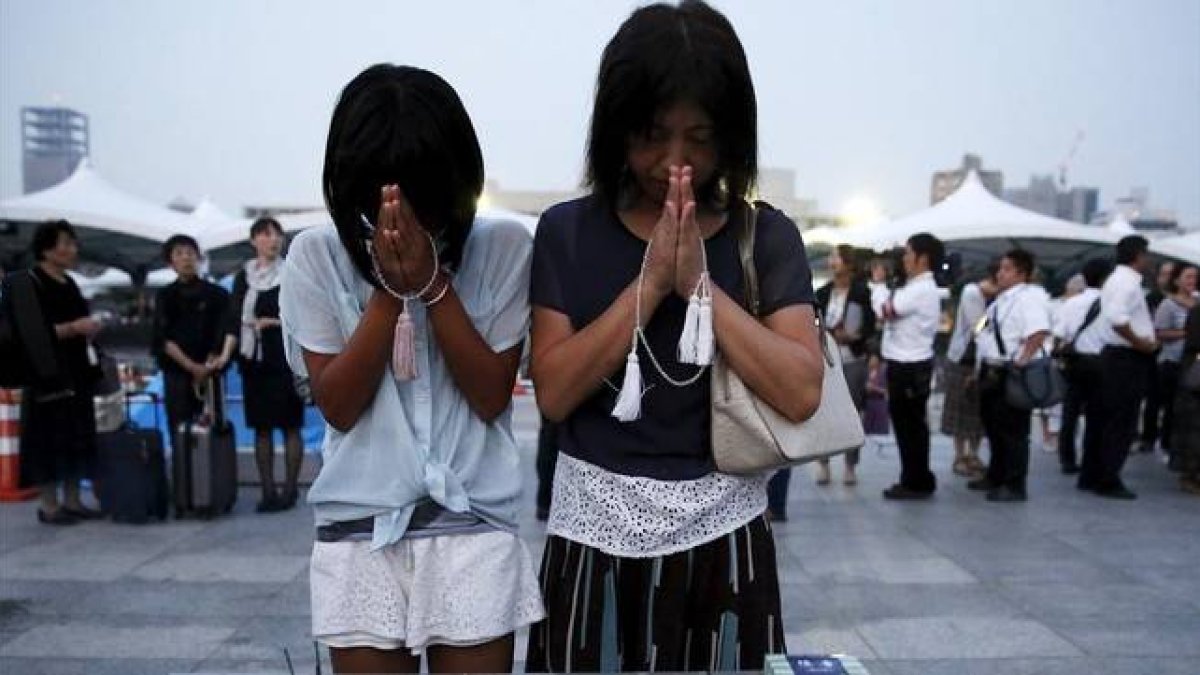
x: 53, y: 140
x: 1079, y: 204
x: 946, y: 182
x: 1043, y: 196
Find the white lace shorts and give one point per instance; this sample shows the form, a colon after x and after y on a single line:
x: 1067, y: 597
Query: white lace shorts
x: 457, y: 590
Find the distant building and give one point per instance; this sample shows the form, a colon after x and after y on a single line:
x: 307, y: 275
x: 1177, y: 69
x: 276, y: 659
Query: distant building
x: 53, y: 141
x: 1078, y: 204
x: 946, y: 182
x: 1137, y: 210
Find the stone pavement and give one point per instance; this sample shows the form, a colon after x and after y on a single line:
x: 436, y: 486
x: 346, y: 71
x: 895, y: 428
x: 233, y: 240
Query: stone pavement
x: 1066, y: 583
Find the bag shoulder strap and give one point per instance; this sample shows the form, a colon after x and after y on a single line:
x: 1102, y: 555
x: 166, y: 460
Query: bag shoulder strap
x: 746, y: 255
x: 1092, y: 313
x: 996, y: 330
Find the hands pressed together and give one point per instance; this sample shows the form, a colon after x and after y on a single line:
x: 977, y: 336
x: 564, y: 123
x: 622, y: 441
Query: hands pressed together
x: 675, y: 260
x: 403, y: 248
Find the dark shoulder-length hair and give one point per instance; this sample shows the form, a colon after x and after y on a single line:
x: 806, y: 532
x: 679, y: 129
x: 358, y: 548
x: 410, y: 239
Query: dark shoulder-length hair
x: 407, y: 126
x: 45, y: 237
x: 663, y: 55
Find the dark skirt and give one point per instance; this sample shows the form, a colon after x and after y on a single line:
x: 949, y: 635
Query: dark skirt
x: 1185, y: 434
x: 714, y: 607
x: 960, y: 408
x: 271, y: 399
x: 58, y: 439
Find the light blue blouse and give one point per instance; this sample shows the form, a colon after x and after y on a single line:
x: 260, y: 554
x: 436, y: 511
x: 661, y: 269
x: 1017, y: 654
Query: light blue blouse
x: 420, y: 438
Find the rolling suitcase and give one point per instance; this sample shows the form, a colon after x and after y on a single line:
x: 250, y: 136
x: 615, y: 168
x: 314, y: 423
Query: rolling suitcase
x: 131, y: 476
x: 204, y: 466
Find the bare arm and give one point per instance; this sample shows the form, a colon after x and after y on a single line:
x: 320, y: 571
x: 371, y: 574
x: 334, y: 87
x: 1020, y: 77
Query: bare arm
x: 344, y: 384
x: 567, y: 366
x: 1146, y: 346
x: 483, y: 376
x: 780, y: 359
x: 1033, y: 344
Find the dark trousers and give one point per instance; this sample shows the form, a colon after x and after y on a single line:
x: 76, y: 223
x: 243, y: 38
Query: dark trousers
x: 547, y: 459
x: 1007, y: 430
x: 181, y: 401
x: 908, y: 386
x: 1083, y: 383
x: 777, y: 492
x: 1112, y: 425
x: 1168, y: 387
x: 1153, y: 407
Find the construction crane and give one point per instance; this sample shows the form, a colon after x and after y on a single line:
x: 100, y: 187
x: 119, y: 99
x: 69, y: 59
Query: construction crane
x: 1066, y: 160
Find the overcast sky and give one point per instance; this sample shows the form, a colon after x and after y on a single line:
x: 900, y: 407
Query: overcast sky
x: 231, y: 99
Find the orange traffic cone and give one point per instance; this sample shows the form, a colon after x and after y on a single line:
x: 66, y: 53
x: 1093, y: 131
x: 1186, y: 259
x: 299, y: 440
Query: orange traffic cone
x: 10, y: 448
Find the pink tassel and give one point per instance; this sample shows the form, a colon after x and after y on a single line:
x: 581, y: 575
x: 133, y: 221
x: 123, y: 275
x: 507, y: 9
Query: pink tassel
x: 404, y: 351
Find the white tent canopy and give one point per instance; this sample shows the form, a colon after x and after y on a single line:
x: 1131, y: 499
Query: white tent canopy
x: 971, y: 212
x: 1184, y: 247
x: 86, y: 199
x: 208, y: 218
x: 1120, y: 225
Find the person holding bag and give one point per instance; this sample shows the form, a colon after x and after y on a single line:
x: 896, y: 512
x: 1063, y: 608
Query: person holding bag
x: 52, y: 331
x: 1077, y: 330
x: 1018, y: 323
x: 845, y: 302
x: 638, y: 287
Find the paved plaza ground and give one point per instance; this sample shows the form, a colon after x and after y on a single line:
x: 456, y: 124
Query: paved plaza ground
x: 1066, y: 583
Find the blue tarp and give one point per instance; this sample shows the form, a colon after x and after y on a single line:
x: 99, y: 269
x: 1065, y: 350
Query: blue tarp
x: 143, y: 414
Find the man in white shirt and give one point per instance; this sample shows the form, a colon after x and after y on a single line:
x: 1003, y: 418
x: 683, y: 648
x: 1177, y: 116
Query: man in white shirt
x: 1018, y: 322
x: 911, y: 319
x: 1078, y: 332
x: 1126, y: 359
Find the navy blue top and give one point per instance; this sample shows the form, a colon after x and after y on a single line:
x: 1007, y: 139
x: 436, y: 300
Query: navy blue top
x: 583, y: 258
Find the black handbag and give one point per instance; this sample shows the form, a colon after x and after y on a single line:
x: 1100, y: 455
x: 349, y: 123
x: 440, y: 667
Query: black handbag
x: 1037, y: 384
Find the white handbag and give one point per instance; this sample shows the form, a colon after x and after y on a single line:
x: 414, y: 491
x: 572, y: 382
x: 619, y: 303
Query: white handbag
x: 748, y: 435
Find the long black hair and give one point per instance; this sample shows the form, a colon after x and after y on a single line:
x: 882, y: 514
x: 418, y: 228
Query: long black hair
x: 663, y: 55
x: 402, y: 125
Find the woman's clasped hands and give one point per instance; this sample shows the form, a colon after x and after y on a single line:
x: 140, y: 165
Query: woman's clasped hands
x: 402, y: 248
x: 676, y: 258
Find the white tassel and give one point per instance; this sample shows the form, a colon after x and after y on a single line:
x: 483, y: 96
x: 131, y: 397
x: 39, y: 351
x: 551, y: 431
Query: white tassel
x: 691, y: 324
x: 704, y: 337
x: 629, y: 402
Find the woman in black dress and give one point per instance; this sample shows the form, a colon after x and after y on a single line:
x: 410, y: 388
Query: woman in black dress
x: 267, y: 385
x: 58, y: 426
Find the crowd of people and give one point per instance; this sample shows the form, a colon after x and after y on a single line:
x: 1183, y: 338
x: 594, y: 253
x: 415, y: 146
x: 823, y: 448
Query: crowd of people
x: 409, y: 315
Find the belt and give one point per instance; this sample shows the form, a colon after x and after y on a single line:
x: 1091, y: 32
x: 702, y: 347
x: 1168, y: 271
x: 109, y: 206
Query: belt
x: 345, y: 529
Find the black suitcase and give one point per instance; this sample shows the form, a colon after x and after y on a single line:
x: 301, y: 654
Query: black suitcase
x: 131, y: 476
x: 204, y: 466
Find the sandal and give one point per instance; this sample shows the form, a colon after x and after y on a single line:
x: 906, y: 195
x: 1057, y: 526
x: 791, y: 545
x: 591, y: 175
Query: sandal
x: 961, y: 467
x: 58, y: 516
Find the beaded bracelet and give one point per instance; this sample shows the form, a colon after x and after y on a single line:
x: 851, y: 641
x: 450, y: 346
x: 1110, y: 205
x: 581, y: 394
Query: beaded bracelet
x: 404, y: 357
x: 441, y: 294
